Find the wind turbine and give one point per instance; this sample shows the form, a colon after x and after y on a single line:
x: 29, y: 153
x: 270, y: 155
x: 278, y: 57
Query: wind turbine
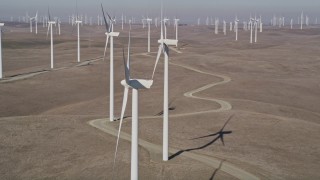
x: 251, y: 28
x: 260, y: 24
x: 135, y: 85
x: 165, y: 20
x: 122, y: 22
x: 110, y: 34
x: 78, y: 22
x: 301, y: 20
x: 163, y: 48
x: 59, y: 26
x: 50, y: 22
x: 1, y: 74
x: 255, y: 30
x: 149, y: 23
x: 236, y: 22
x: 216, y: 31
x: 35, y: 19
x: 31, y: 20
x: 176, y: 25
x: 224, y: 27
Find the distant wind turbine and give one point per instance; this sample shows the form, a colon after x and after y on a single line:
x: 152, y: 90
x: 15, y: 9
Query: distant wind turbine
x: 50, y: 22
x: 163, y: 48
x: 35, y: 19
x: 110, y: 34
x: 236, y: 23
x: 176, y: 25
x: 301, y: 20
x: 1, y: 74
x: 251, y: 29
x: 78, y: 22
x: 224, y: 27
x: 149, y: 24
x: 256, y: 30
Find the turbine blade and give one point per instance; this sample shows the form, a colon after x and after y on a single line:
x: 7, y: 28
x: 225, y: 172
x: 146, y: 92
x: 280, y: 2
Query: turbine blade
x: 226, y: 122
x: 124, y: 104
x: 73, y: 29
x: 109, y: 16
x: 166, y: 49
x: 49, y: 14
x: 77, y: 10
x: 222, y: 140
x: 105, y: 48
x: 105, y: 20
x: 126, y: 71
x: 157, y: 60
x: 127, y: 64
x: 201, y: 137
x: 48, y: 30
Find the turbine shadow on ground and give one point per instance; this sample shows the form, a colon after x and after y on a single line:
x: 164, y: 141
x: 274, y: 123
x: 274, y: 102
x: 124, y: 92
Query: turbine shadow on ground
x: 219, y: 135
x: 215, y: 171
x: 171, y: 108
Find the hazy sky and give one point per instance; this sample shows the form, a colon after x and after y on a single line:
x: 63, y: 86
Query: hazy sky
x: 185, y: 9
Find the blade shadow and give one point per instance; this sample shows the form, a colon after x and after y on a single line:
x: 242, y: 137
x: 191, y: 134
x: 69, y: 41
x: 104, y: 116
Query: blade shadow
x: 171, y: 108
x: 219, y: 135
x: 125, y: 117
x: 215, y: 171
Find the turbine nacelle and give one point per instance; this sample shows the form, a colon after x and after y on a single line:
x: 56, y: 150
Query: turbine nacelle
x: 169, y: 42
x: 1, y: 24
x: 113, y: 34
x: 137, y: 83
x: 79, y: 22
x: 52, y: 22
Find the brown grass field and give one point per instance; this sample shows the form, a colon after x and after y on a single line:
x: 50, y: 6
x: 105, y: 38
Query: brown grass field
x: 273, y: 130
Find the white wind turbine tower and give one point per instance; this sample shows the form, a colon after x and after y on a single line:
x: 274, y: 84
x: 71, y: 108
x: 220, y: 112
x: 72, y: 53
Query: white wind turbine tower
x: 176, y: 25
x: 135, y: 85
x: 207, y: 21
x: 143, y: 20
x: 30, y: 21
x: 256, y: 29
x: 216, y: 26
x: 59, y: 26
x: 260, y: 24
x: 224, y: 27
x: 156, y: 22
x: 110, y: 34
x: 231, y: 26
x: 130, y: 22
x: 149, y: 23
x: 307, y: 20
x: 291, y: 23
x: 163, y: 48
x: 1, y: 74
x: 78, y: 22
x: 236, y: 23
x: 35, y: 19
x: 51, y: 35
x: 251, y: 29
x: 122, y: 22
x: 301, y: 20
x: 165, y: 20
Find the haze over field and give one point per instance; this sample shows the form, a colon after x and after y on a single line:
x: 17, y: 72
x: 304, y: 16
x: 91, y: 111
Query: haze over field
x: 186, y: 9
